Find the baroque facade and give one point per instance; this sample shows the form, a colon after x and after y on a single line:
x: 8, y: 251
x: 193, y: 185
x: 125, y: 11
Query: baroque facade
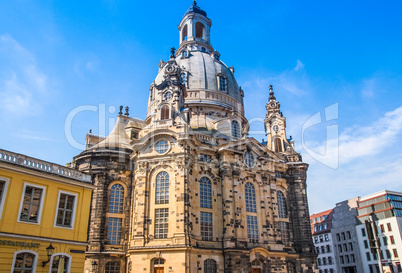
x: 185, y: 190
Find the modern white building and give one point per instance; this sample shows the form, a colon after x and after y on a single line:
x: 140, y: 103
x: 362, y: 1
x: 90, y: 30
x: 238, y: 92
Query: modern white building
x: 321, y: 224
x: 386, y: 209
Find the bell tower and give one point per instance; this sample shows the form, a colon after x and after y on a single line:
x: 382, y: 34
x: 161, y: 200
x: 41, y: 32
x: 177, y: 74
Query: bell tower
x: 275, y: 125
x: 167, y: 98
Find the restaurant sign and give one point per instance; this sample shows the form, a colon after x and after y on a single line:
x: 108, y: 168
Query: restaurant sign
x: 16, y: 243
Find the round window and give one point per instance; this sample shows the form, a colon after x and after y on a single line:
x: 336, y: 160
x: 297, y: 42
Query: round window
x: 168, y: 95
x: 162, y: 146
x: 249, y: 159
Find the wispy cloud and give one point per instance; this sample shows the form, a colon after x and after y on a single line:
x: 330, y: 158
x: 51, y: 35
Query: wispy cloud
x: 24, y: 85
x: 299, y: 65
x: 369, y: 157
x: 86, y: 66
x: 289, y: 81
x: 362, y: 141
x: 33, y: 135
x: 369, y: 87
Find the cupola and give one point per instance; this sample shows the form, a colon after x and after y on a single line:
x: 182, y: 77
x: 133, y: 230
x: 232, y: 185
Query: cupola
x: 195, y: 28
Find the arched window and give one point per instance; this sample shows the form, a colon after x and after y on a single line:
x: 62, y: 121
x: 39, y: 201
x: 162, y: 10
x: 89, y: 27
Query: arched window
x: 24, y: 262
x: 116, y: 199
x: 256, y: 266
x: 112, y: 267
x: 199, y: 30
x: 278, y: 145
x: 165, y: 112
x: 184, y: 34
x: 60, y: 261
x: 159, y: 265
x: 250, y: 198
x: 210, y: 266
x: 205, y: 193
x: 249, y: 159
x: 235, y: 129
x: 162, y: 188
x: 281, y: 204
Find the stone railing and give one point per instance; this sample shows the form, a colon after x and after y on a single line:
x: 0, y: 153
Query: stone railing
x: 40, y: 165
x: 213, y: 96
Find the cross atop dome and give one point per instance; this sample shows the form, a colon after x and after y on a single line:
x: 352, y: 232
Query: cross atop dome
x: 196, y: 9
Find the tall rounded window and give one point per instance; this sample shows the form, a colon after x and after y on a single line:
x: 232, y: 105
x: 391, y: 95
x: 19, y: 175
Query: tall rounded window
x: 116, y: 199
x: 210, y: 266
x: 199, y: 30
x: 278, y: 145
x: 162, y: 147
x: 184, y: 33
x: 162, y: 188
x: 235, y: 129
x: 165, y: 112
x: 282, y: 212
x: 249, y: 159
x: 250, y: 198
x: 205, y: 193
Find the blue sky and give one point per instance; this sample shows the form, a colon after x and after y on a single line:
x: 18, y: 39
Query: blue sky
x: 57, y: 57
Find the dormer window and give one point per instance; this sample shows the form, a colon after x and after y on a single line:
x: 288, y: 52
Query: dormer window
x: 222, y: 83
x: 203, y: 49
x: 184, y: 54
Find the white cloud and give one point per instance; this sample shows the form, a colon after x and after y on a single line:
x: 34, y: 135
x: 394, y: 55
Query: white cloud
x: 33, y: 135
x: 370, y: 160
x: 370, y: 140
x: 289, y: 81
x: 299, y: 65
x: 85, y: 66
x: 369, y: 87
x: 22, y: 86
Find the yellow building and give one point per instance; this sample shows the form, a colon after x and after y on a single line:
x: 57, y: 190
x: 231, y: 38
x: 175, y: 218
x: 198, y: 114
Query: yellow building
x: 42, y: 206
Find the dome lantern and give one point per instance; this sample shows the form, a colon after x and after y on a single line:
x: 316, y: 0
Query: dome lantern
x: 195, y: 29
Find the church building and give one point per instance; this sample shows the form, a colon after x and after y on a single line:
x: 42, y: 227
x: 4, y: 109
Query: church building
x: 186, y: 190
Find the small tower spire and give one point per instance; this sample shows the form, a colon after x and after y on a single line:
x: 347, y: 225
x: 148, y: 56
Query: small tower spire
x: 194, y: 3
x: 121, y: 110
x: 271, y: 93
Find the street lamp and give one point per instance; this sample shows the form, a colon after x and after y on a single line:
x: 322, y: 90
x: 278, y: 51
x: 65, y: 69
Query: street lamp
x: 94, y: 266
x: 49, y: 253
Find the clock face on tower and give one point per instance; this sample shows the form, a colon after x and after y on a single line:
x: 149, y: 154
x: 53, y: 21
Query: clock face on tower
x: 275, y: 128
x: 168, y: 95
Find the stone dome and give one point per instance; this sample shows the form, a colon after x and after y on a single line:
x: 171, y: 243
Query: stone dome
x: 202, y: 72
